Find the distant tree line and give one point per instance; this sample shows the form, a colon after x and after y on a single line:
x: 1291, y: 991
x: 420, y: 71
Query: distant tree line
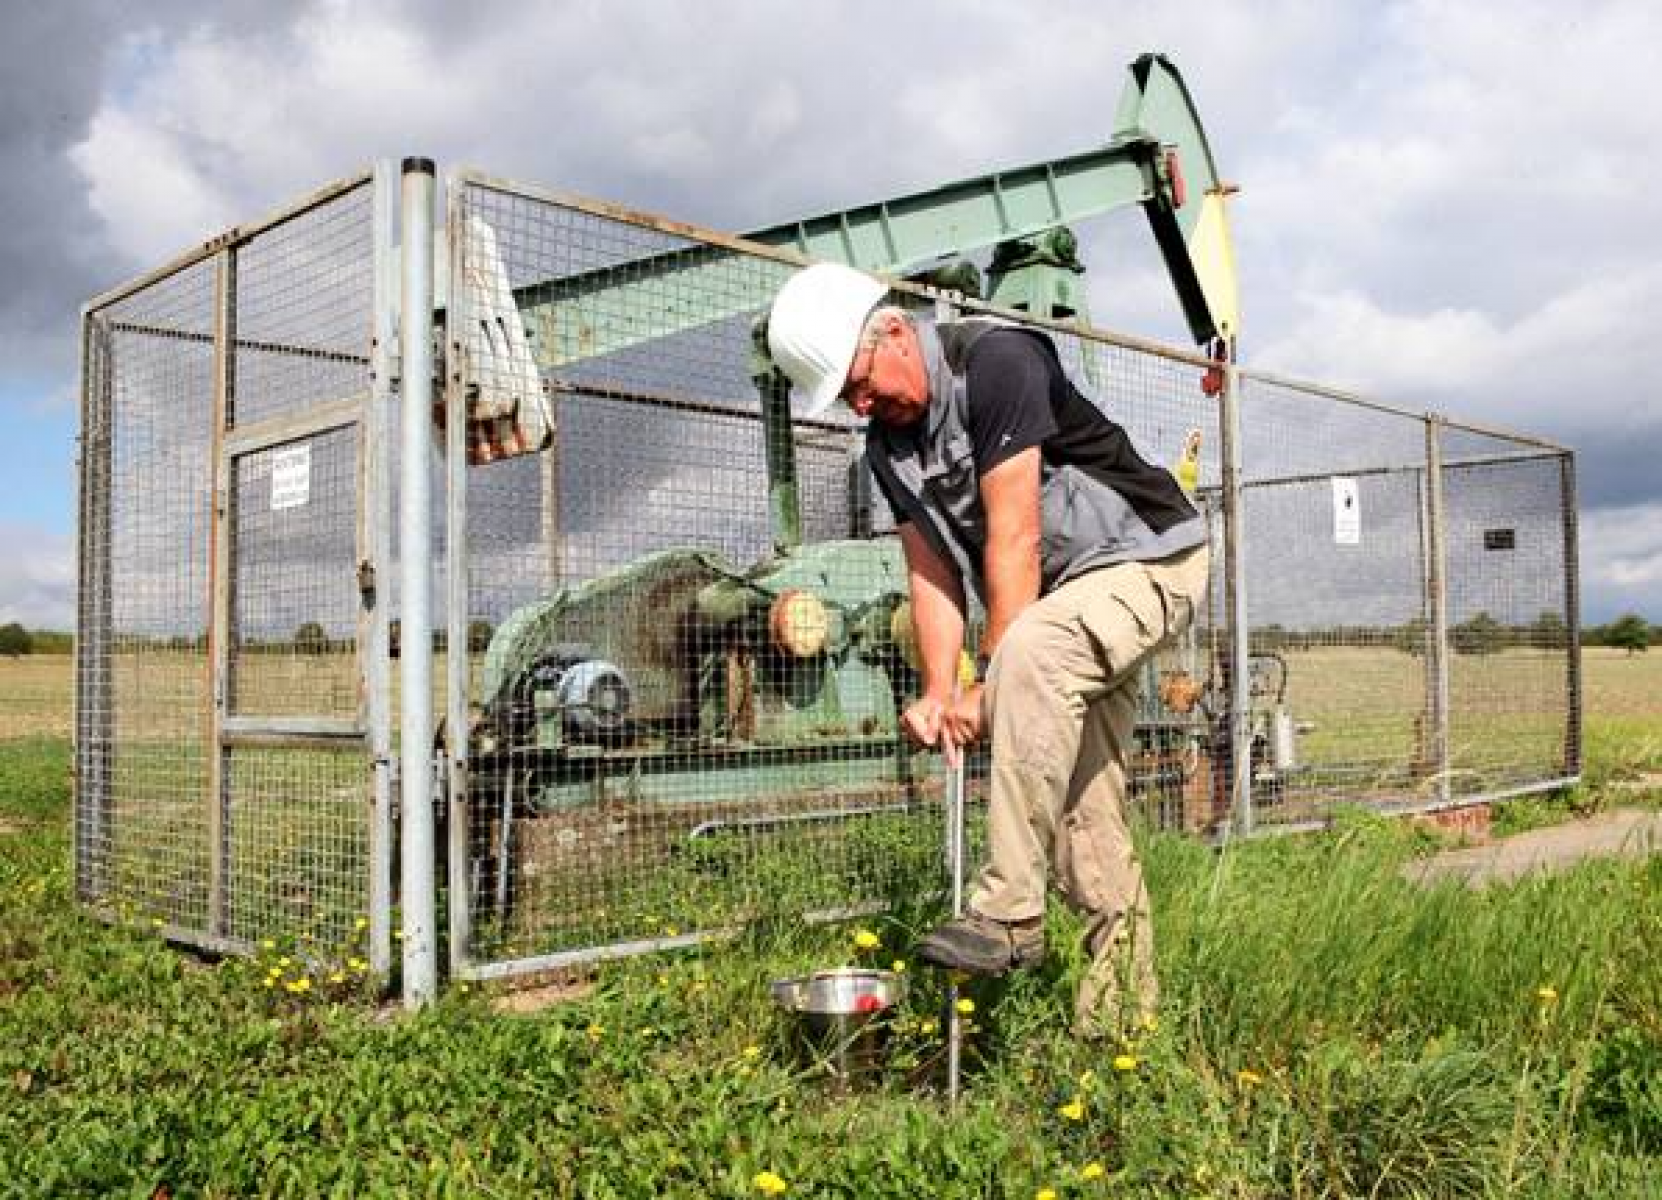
x: 16, y: 641
x: 309, y: 637
x: 1629, y: 632
x: 1480, y: 633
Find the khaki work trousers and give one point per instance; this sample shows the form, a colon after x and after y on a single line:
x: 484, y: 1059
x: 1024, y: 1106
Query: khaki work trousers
x: 1060, y: 701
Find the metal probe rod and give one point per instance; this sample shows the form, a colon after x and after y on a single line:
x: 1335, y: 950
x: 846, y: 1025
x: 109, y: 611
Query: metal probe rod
x: 955, y: 867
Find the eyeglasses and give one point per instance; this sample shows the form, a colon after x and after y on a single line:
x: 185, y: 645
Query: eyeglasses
x: 857, y: 379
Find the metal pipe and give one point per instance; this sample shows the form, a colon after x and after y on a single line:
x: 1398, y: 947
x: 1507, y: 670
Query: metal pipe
x: 1436, y: 577
x: 416, y: 892
x: 1234, y: 564
x: 955, y: 868
x: 508, y: 968
x: 221, y: 677
x: 1572, y: 618
x: 235, y: 235
x: 458, y: 316
x: 1351, y: 398
x: 94, y: 630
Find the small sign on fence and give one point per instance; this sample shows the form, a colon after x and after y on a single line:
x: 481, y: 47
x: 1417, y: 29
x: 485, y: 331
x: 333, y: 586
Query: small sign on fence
x: 1347, y: 512
x: 291, y: 477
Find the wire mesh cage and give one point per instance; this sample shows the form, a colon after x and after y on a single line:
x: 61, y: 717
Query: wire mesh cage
x: 670, y: 614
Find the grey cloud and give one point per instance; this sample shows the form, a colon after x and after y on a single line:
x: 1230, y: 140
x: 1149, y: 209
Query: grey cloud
x: 721, y: 114
x: 55, y: 64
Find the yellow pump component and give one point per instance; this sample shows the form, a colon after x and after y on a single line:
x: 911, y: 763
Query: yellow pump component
x: 1212, y: 251
x: 1187, y: 469
x: 799, y: 623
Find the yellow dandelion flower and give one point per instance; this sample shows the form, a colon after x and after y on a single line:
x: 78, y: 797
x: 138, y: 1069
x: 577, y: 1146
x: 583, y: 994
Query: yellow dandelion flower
x: 1546, y: 994
x: 1092, y: 1170
x: 769, y: 1184
x: 358, y: 965
x: 1045, y: 1194
x: 284, y: 961
x: 965, y: 1006
x: 1086, y: 1079
x: 155, y: 922
x: 1248, y: 1078
x: 1125, y: 1062
x: 752, y: 1051
x: 361, y: 924
x: 268, y: 944
x: 671, y: 931
x: 865, y: 939
x: 340, y: 977
x: 303, y: 985
x: 271, y: 981
x: 465, y: 989
x: 898, y: 965
x: 927, y: 1027
x: 1073, y: 1110
x: 292, y: 987
x: 596, y: 1031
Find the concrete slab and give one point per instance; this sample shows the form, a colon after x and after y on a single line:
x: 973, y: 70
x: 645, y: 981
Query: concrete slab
x: 1626, y: 832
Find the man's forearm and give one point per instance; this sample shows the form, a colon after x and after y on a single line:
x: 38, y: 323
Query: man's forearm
x: 1010, y: 559
x: 1010, y: 567
x: 937, y: 613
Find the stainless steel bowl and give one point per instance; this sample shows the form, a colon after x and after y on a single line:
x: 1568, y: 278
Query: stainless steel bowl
x: 835, y: 1016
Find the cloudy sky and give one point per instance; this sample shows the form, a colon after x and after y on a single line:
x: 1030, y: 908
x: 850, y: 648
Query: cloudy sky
x: 1448, y: 205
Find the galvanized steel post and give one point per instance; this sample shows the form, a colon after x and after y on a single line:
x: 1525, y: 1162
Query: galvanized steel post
x: 458, y: 317
x: 95, y: 622
x: 416, y: 893
x: 374, y: 584
x: 1234, y: 562
x: 1436, y: 574
x: 1572, y: 618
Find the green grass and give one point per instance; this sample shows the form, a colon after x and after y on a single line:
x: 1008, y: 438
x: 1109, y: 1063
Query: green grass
x: 1327, y: 1030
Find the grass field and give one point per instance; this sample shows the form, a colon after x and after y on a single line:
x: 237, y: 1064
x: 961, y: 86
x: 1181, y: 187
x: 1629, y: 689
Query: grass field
x: 1326, y: 1030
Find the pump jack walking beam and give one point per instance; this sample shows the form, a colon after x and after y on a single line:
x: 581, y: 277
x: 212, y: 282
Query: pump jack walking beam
x: 1158, y: 158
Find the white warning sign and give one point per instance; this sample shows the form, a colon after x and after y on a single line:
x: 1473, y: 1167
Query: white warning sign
x: 291, y: 477
x: 1347, y: 512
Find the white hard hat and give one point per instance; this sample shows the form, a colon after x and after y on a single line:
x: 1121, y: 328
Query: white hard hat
x: 814, y: 328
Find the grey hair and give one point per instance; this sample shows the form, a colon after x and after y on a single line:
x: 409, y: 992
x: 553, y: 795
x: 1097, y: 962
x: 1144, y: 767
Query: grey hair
x: 868, y: 329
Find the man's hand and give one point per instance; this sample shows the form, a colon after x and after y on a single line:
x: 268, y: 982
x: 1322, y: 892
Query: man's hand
x: 949, y: 724
x: 961, y: 720
x: 922, y: 720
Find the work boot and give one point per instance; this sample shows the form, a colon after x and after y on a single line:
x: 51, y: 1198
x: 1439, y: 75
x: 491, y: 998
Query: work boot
x: 983, y: 946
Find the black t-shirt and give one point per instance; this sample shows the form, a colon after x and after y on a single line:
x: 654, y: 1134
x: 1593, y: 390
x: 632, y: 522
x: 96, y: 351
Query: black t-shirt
x: 1010, y: 396
x: 1017, y: 396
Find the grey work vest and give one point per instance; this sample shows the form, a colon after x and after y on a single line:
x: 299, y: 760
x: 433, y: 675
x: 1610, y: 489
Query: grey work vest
x: 1085, y: 521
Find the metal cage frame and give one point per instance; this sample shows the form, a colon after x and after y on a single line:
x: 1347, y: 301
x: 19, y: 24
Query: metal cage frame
x: 392, y: 776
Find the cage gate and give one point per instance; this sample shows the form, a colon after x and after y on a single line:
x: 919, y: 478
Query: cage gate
x: 229, y: 477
